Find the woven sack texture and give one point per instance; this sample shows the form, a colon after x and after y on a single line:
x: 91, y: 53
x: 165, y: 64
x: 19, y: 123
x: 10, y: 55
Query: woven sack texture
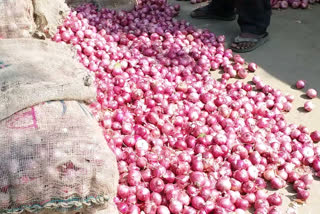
x: 36, y: 71
x: 54, y: 159
x: 16, y: 18
x: 27, y: 18
x: 48, y: 15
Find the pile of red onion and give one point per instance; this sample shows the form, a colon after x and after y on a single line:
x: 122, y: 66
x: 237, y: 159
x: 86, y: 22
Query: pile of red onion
x: 295, y: 4
x: 185, y: 142
x: 278, y: 4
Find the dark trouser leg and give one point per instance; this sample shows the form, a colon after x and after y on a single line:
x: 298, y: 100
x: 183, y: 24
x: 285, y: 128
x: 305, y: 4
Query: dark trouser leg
x: 254, y: 15
x: 223, y: 7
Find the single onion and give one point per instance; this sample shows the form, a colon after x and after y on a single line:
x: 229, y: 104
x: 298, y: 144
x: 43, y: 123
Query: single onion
x: 302, y: 194
x: 143, y: 194
x: 252, y: 67
x: 163, y: 210
x: 300, y: 84
x: 308, y: 106
x: 277, y: 183
x: 274, y: 199
x: 175, y: 206
x: 156, y: 185
x: 315, y: 136
x: 223, y: 184
x: 311, y: 93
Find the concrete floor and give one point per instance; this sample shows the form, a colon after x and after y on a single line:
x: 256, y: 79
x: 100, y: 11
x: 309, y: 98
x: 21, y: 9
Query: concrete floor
x: 293, y: 53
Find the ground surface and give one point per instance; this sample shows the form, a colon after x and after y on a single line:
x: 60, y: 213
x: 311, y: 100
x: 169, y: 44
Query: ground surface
x: 293, y: 53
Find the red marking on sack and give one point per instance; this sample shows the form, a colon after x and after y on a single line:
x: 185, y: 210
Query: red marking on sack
x: 24, y: 120
x: 4, y: 189
x: 25, y: 179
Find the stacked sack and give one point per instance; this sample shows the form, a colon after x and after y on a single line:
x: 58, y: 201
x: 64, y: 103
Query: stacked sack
x: 31, y: 18
x: 40, y: 18
x: 54, y: 158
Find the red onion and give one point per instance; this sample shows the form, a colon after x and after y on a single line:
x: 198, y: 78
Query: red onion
x: 123, y: 191
x: 143, y: 194
x: 175, y: 206
x: 197, y: 202
x: 197, y: 178
x: 261, y: 194
x: 163, y: 210
x: 311, y: 93
x: 252, y: 67
x: 307, y: 179
x: 248, y: 187
x: 302, y: 194
x: 284, y: 4
x: 260, y: 203
x: 156, y: 185
x: 251, y: 197
x: 300, y: 84
x: 226, y: 203
x: 316, y: 165
x: 156, y: 198
x: 189, y: 210
x: 242, y: 73
x: 134, y: 177
x: 223, y: 184
x: 133, y: 209
x: 242, y: 204
x: 277, y: 183
x: 298, y: 184
x: 240, y: 211
x: 241, y: 175
x: 315, y: 136
x: 274, y: 199
x: 123, y: 207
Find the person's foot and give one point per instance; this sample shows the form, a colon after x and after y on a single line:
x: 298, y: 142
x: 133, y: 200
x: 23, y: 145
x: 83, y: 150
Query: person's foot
x: 207, y: 12
x: 247, y: 42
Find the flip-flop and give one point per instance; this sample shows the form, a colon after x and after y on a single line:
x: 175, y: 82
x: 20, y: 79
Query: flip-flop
x: 206, y: 13
x: 257, y: 42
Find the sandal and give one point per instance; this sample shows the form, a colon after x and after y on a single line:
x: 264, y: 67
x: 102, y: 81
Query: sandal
x: 245, y: 44
x: 207, y: 13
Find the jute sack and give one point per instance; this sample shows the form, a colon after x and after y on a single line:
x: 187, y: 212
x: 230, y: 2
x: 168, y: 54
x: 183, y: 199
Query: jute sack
x: 54, y: 159
x: 16, y: 18
x: 48, y: 15
x: 111, y: 4
x: 27, y: 18
x: 37, y: 71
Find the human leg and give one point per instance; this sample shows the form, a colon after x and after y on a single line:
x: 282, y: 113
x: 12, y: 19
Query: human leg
x: 216, y: 9
x: 254, y: 19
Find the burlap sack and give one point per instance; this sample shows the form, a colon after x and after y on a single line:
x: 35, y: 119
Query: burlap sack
x: 54, y: 159
x: 111, y: 4
x: 37, y: 71
x: 16, y: 18
x: 48, y: 15
x: 26, y: 18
